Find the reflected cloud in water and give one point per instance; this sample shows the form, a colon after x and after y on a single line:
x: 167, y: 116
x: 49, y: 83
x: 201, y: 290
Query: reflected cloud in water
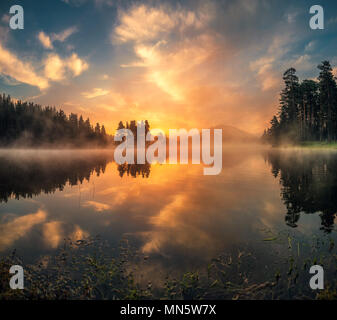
x: 172, y: 212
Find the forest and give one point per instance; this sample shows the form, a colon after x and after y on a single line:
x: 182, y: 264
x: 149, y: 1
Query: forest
x: 307, y: 110
x: 30, y: 125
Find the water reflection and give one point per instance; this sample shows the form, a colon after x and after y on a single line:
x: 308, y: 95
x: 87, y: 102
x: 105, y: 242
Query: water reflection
x: 173, y: 213
x: 134, y: 170
x: 24, y: 174
x: 308, y: 184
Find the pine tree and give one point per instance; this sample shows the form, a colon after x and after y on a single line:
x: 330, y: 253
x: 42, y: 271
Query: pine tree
x: 308, y: 110
x: 289, y: 105
x: 327, y: 101
x: 34, y: 125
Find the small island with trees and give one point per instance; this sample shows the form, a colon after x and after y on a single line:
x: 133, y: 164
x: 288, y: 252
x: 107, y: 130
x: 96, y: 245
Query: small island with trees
x: 308, y: 111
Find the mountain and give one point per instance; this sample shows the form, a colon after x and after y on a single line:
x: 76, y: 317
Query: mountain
x: 232, y: 134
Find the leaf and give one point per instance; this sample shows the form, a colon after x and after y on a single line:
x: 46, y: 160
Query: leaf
x: 214, y: 283
x: 270, y: 239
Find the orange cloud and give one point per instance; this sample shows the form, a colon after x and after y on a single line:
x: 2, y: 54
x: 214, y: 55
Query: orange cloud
x: 96, y: 92
x: 45, y: 40
x: 19, y: 227
x: 56, y: 67
x: 22, y: 71
x: 53, y: 233
x: 143, y: 23
x: 181, y: 71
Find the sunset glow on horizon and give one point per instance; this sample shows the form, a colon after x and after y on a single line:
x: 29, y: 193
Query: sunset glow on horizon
x: 191, y: 64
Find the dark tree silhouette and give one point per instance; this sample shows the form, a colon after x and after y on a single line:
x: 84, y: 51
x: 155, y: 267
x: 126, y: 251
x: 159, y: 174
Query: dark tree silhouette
x: 28, y: 124
x: 309, y: 185
x: 308, y: 110
x: 134, y: 170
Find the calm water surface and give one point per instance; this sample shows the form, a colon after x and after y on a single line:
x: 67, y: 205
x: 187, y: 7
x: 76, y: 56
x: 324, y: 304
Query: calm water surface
x: 173, y: 214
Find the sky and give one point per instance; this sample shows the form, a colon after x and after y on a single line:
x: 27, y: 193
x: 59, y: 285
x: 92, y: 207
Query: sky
x: 179, y: 64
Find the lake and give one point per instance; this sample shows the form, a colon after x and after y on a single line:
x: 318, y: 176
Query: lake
x: 275, y: 203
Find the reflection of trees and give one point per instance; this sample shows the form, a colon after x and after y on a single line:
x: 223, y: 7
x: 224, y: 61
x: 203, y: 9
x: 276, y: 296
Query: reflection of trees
x: 134, y: 170
x: 309, y: 184
x: 22, y: 177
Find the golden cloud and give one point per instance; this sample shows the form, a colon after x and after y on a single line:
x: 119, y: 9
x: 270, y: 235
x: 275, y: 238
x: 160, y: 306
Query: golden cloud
x: 19, y: 227
x: 98, y: 206
x: 64, y: 35
x: 53, y: 233
x: 22, y: 71
x: 45, y: 40
x: 56, y: 67
x: 96, y: 92
x: 142, y: 23
x: 76, y: 65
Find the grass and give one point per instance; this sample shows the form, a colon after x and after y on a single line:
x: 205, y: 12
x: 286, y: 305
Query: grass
x: 90, y: 269
x: 319, y: 144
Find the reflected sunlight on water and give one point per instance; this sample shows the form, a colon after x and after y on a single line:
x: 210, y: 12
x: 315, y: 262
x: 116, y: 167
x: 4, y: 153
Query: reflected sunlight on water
x: 171, y: 212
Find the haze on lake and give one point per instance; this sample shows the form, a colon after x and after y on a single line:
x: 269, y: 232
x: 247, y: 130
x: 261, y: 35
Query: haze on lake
x: 176, y: 216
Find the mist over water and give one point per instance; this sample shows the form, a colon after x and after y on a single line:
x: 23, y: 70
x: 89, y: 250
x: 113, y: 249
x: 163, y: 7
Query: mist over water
x: 173, y: 214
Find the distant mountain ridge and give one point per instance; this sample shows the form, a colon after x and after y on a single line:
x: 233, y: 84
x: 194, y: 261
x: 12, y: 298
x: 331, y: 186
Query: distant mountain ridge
x: 233, y: 134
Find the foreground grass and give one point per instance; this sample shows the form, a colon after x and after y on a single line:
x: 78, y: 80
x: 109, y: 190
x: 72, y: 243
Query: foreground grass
x: 87, y: 270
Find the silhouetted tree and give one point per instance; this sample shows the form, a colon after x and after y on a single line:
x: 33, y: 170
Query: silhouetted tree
x: 308, y: 110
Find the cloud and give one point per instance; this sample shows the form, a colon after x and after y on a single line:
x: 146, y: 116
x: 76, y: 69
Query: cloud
x: 143, y: 23
x: 76, y: 65
x: 150, y: 30
x: 277, y: 56
x: 179, y: 58
x: 78, y: 234
x: 96, y: 92
x: 74, y: 3
x: 54, y: 68
x: 5, y: 18
x: 302, y: 62
x: 291, y: 17
x: 45, y: 40
x: 64, y: 35
x: 12, y: 66
x: 185, y: 64
x: 97, y: 206
x: 310, y: 46
x: 53, y: 233
x: 98, y: 3
x: 57, y: 68
x: 19, y: 227
x: 183, y: 59
x: 9, y: 80
x: 334, y: 71
x: 264, y: 72
x: 332, y: 20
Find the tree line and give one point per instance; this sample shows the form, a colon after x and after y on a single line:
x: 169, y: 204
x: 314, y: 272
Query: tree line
x: 29, y: 124
x: 133, y: 125
x: 307, y: 111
